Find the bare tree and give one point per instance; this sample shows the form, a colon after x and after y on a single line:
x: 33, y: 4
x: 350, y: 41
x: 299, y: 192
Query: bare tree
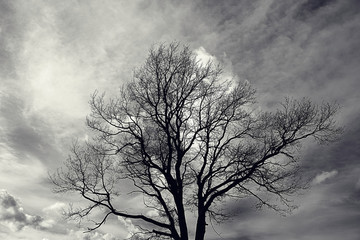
x: 187, y: 139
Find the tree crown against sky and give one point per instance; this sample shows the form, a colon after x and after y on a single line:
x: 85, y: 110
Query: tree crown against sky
x: 187, y: 140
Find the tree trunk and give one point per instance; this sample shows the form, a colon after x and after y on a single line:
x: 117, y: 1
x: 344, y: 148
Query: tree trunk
x: 182, y: 225
x: 200, y: 225
x: 181, y: 217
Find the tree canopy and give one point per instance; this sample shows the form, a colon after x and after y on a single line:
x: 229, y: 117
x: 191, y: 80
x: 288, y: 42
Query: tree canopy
x: 187, y: 139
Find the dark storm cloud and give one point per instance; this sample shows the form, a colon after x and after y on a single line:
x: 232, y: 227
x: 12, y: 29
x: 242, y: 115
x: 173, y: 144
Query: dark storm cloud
x: 282, y: 55
x: 311, y: 6
x: 340, y: 155
x: 329, y: 209
x: 299, y: 48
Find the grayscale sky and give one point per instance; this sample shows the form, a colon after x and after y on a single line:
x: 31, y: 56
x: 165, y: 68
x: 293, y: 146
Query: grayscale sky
x: 54, y: 54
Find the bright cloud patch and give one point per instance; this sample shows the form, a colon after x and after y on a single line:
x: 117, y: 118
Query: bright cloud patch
x: 131, y: 228
x: 324, y: 176
x: 55, y: 209
x: 203, y: 56
x: 152, y: 213
x: 227, y: 74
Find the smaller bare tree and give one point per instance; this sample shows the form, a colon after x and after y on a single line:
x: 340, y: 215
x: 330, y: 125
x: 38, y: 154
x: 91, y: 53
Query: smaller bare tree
x: 187, y: 140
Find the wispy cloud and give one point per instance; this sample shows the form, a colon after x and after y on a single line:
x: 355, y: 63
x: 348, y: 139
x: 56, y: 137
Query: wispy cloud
x: 324, y: 176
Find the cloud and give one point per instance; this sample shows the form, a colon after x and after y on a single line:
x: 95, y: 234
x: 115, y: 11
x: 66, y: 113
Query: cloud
x: 203, y: 56
x: 152, y: 213
x: 13, y: 216
x: 282, y: 55
x: 258, y: 15
x: 322, y: 177
x: 357, y: 186
x: 310, y: 7
x: 55, y: 210
x: 12, y: 29
x: 227, y: 74
x: 131, y: 228
x: 96, y: 235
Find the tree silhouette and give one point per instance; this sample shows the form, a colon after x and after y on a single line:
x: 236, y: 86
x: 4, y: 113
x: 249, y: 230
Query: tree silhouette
x: 187, y: 140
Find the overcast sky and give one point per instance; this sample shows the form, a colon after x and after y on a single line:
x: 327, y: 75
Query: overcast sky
x: 54, y: 54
